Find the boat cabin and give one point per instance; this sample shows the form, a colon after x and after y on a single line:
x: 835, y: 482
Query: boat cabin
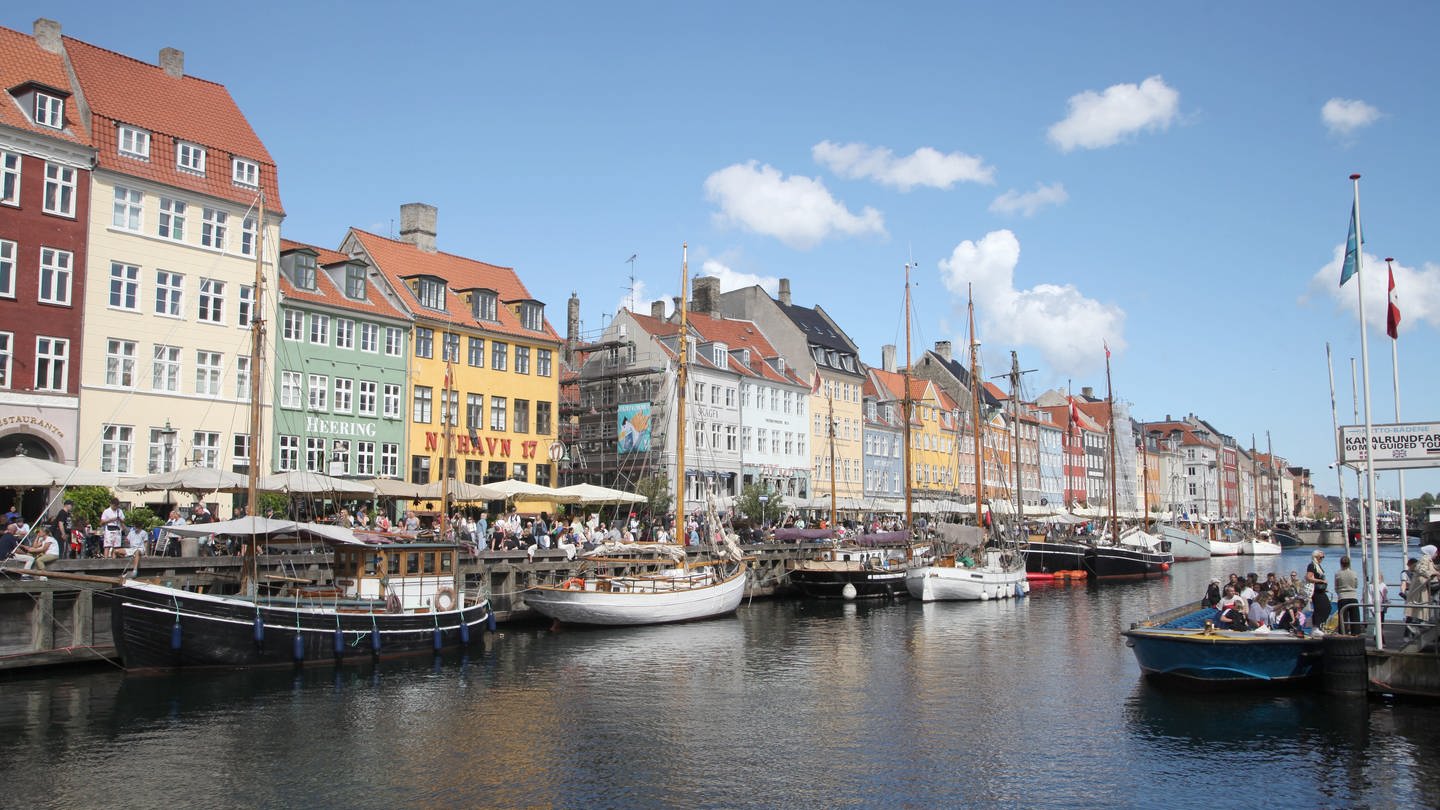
x: 406, y: 576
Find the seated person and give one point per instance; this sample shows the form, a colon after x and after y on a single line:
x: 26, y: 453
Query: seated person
x: 1292, y: 616
x: 45, y: 550
x: 1233, y: 617
x: 1212, y: 594
x: 1259, y: 613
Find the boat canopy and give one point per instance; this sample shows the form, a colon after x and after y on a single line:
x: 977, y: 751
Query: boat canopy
x: 266, y: 527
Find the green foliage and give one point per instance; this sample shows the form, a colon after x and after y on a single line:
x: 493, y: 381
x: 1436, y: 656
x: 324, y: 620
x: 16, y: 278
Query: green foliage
x: 89, y: 502
x: 750, y: 505
x: 141, y: 516
x: 656, y: 489
x: 273, y: 501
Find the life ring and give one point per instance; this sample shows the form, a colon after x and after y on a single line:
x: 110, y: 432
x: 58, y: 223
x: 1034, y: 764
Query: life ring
x: 444, y: 599
x: 573, y: 584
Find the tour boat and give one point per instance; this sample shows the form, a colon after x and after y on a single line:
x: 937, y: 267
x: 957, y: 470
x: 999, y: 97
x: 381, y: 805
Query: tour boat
x: 1184, y: 644
x: 870, y: 566
x: 1185, y: 546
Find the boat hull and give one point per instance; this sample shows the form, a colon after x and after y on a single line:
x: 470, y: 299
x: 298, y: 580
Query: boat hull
x: 1222, y: 657
x: 1113, y: 562
x: 1047, y: 557
x: 933, y: 583
x: 1260, y: 548
x: 1224, y: 548
x: 1186, y: 547
x: 631, y: 607
x: 828, y: 581
x: 221, y: 632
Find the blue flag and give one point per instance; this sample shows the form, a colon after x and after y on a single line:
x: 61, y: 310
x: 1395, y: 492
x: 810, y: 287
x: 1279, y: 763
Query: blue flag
x: 1352, y: 250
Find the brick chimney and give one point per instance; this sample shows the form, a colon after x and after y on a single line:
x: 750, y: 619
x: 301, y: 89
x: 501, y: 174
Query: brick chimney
x: 417, y: 225
x: 47, y: 35
x: 706, y: 296
x: 785, y: 291
x: 657, y: 309
x: 945, y: 350
x: 887, y: 357
x: 1087, y: 392
x: 572, y: 326
x: 173, y: 61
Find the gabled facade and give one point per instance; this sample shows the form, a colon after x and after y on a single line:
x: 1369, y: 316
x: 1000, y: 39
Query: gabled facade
x: 884, y: 450
x: 934, y: 427
x: 479, y: 340
x: 341, y: 366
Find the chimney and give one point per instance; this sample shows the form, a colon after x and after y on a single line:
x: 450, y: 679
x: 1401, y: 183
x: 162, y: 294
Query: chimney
x: 657, y: 309
x: 173, y: 61
x: 1088, y: 392
x: 675, y: 305
x: 47, y: 35
x: 572, y: 320
x: 706, y: 300
x: 887, y: 357
x: 944, y: 349
x: 785, y: 291
x: 417, y: 225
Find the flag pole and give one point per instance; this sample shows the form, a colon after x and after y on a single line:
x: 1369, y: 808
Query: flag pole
x: 1372, y: 522
x: 1339, y: 468
x: 1392, y: 326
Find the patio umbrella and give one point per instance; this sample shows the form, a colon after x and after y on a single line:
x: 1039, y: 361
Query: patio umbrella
x: 304, y: 482
x: 592, y: 494
x: 25, y: 472
x: 395, y: 488
x: 463, y: 491
x: 510, y: 488
x: 189, y: 479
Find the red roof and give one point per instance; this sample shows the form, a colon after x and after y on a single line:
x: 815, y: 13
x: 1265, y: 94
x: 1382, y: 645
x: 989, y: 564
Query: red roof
x: 326, y: 292
x: 402, y: 260
x: 123, y: 90
x: 23, y: 60
x: 737, y: 333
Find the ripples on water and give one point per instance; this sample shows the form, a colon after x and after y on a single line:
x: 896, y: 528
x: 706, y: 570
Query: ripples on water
x: 1035, y: 702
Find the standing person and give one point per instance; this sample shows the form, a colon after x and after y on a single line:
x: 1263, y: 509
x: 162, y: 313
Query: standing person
x: 1347, y: 597
x: 112, y: 522
x: 63, y: 525
x: 1417, y: 593
x: 1320, y: 600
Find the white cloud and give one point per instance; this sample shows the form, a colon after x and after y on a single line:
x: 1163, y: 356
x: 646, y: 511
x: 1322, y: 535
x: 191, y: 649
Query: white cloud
x: 1343, y: 116
x: 923, y: 167
x: 1102, y: 119
x: 1068, y: 329
x: 798, y: 211
x: 733, y: 279
x: 1417, y: 291
x: 1029, y: 202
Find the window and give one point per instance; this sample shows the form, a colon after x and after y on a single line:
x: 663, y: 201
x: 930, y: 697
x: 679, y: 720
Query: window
x: 497, y: 413
x: 247, y: 237
x: 542, y: 474
x: 474, y: 411
x: 242, y: 378
x: 424, y: 342
x: 10, y: 178
x: 365, y: 404
x: 207, y: 373
x: 339, y: 457
x: 49, y: 111
x: 134, y: 142
x: 55, y: 276
x: 450, y: 408
x: 522, y: 359
x: 7, y: 352
x: 120, y: 363
x: 168, y: 289
x: 344, y: 394
x: 475, y: 352
x: 364, y: 458
x: 115, y: 448
x: 499, y: 355
x: 532, y: 316
x: 485, y: 306
x: 419, y: 469
x: 212, y: 300
x: 315, y: 454
x: 522, y: 416
x: 290, y: 390
x: 162, y: 451
x: 390, y: 401
x: 124, y: 286
x: 542, y: 418
x: 431, y: 292
x: 213, y: 224
x: 240, y: 453
x: 344, y: 333
x: 243, y: 307
x: 542, y: 362
x: 450, y: 347
x: 205, y: 448
x: 172, y: 219
x: 293, y: 324
x: 245, y: 172
x: 319, y: 387
x: 421, y: 410
x: 129, y: 209
x: 394, y: 341
x: 319, y: 329
x: 355, y: 282
x: 389, y: 459
x: 289, y: 453
x: 190, y: 157
x: 369, y: 338
x: 166, y: 374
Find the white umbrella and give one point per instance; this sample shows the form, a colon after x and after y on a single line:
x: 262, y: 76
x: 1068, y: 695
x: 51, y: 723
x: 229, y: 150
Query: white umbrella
x: 511, y: 488
x: 592, y: 494
x: 189, y: 479
x: 264, y: 527
x: 313, y: 483
x: 23, y: 472
x: 395, y: 488
x: 462, y: 491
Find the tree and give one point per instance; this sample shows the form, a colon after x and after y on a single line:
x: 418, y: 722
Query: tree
x: 656, y: 489
x: 756, y: 510
x: 89, y: 502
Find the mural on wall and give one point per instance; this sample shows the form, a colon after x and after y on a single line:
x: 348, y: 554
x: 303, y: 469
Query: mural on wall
x: 633, y: 428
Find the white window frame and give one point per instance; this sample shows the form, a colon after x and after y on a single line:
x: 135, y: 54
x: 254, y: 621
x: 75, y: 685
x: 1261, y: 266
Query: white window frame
x: 293, y: 326
x: 315, y: 456
x: 389, y: 459
x: 366, y: 398
x: 208, y: 368
x: 245, y: 172
x: 394, y: 341
x: 7, y: 354
x: 124, y: 286
x: 318, y: 386
x: 319, y: 329
x: 391, y: 397
x: 292, y: 390
x: 169, y: 294
x: 128, y: 213
x: 244, y: 306
x: 344, y: 333
x: 163, y: 451
x: 369, y: 338
x: 165, y: 368
x: 171, y: 223
x: 59, y: 190
x: 133, y: 142
x: 52, y: 361
x: 365, y: 458
x: 205, y: 449
x: 214, y: 225
x: 422, y: 409
x: 522, y: 359
x: 10, y: 168
x: 117, y: 443
x: 211, y: 301
x: 242, y: 377
x: 8, y: 250
x: 56, y: 274
x: 190, y: 157
x: 289, y: 459
x: 344, y: 399
x: 247, y: 236
x: 120, y: 363
x: 49, y: 110
x: 543, y: 362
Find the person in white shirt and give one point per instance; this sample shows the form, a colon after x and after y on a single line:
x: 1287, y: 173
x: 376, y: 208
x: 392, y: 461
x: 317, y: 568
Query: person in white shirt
x: 135, y: 539
x: 44, y: 550
x: 112, y: 522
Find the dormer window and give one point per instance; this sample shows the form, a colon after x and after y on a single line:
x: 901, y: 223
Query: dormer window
x: 721, y: 354
x: 532, y: 315
x: 300, y: 266
x: 133, y: 142
x: 431, y: 293
x: 484, y: 303
x: 49, y: 110
x: 245, y: 172
x: 190, y: 157
x: 355, y: 282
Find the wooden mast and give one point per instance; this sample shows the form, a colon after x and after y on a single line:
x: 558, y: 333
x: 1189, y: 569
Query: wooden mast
x: 1145, y: 480
x: 447, y: 413
x: 1255, y: 485
x: 975, y: 411
x: 1015, y: 416
x: 905, y: 404
x: 681, y: 382
x: 250, y: 570
x: 1110, y: 402
x: 831, y: 419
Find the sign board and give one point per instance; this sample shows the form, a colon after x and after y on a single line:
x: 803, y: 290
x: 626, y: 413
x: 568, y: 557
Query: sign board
x: 1403, y: 446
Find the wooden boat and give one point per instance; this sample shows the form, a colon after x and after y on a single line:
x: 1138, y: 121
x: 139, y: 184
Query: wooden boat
x: 1183, y: 644
x: 871, y: 566
x: 1259, y: 545
x: 1185, y: 546
x: 688, y: 590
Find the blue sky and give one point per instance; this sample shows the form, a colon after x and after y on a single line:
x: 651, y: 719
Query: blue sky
x: 1172, y: 180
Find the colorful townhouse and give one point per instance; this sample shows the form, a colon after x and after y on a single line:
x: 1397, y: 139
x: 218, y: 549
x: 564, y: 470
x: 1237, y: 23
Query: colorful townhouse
x: 341, y: 364
x: 934, y: 422
x: 884, y: 450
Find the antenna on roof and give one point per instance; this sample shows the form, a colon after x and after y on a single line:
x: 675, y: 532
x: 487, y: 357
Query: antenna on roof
x: 631, y: 261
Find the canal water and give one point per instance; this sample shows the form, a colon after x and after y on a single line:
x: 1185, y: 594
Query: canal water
x: 1033, y: 703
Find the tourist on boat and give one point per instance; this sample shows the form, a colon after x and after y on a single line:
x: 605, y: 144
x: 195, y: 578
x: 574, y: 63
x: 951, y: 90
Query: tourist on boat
x: 1347, y: 597
x: 1247, y: 588
x: 1231, y: 598
x: 1294, y: 586
x: 1212, y: 594
x: 1319, y: 599
x: 1259, y: 613
x: 1234, y: 617
x: 1292, y: 617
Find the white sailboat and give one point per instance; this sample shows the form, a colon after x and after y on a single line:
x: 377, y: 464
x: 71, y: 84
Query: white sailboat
x: 683, y: 590
x: 999, y: 573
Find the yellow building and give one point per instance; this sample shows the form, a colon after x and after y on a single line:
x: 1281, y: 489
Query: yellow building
x: 479, y: 323
x: 934, y: 418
